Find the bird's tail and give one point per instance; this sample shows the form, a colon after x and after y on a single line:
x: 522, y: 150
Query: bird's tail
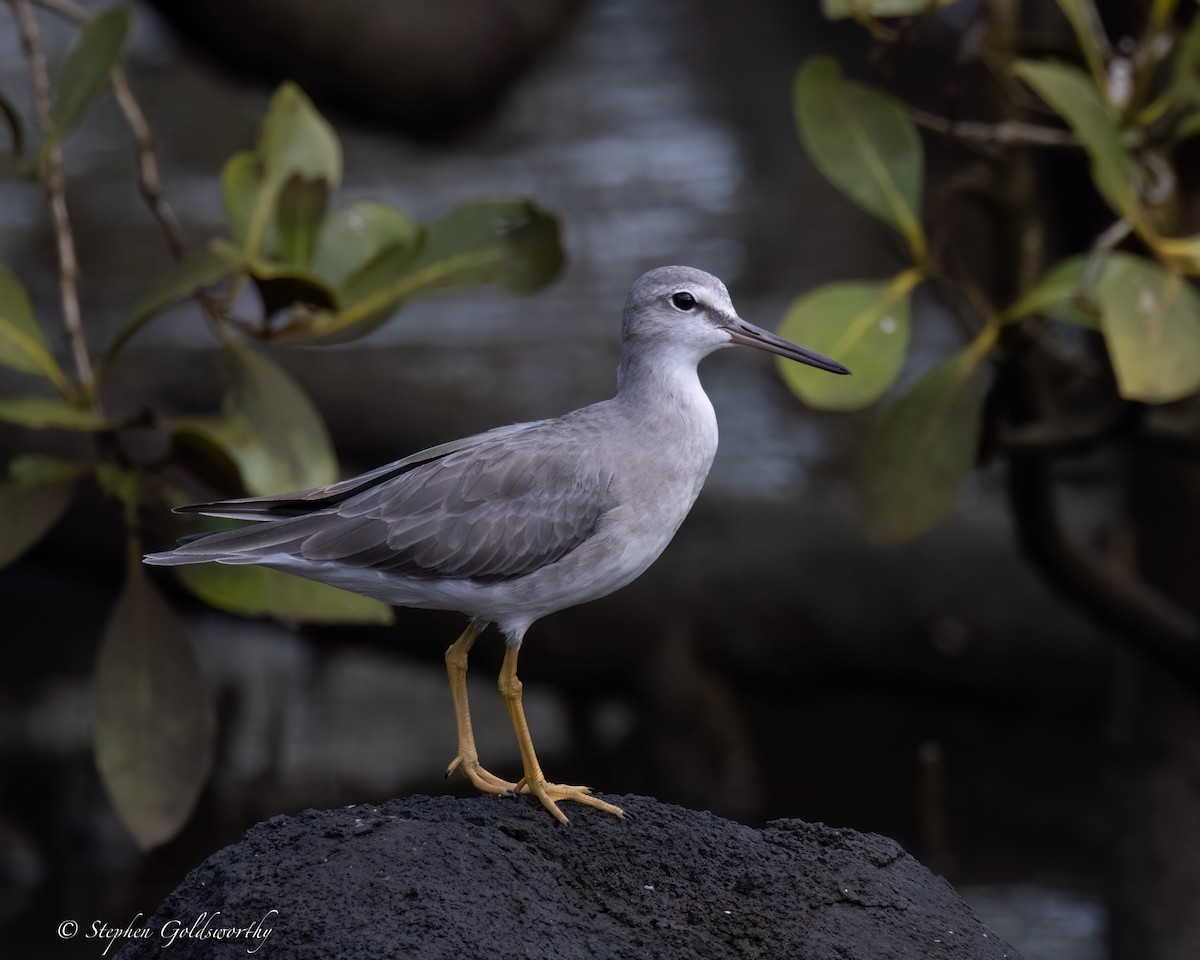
x: 174, y: 558
x: 254, y: 543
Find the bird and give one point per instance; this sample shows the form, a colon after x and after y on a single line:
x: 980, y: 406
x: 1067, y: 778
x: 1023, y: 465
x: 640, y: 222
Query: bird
x: 519, y: 522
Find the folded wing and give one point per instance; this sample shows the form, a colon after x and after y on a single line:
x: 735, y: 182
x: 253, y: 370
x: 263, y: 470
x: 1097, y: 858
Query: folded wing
x: 492, y: 510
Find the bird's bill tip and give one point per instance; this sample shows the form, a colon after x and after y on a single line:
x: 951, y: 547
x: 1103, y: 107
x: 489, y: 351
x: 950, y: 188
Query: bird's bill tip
x: 749, y: 335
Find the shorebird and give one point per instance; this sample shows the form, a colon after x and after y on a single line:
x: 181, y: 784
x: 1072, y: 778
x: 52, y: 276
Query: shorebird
x: 516, y: 523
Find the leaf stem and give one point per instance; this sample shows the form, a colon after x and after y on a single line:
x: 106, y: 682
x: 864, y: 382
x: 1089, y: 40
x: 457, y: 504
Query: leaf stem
x: 54, y: 183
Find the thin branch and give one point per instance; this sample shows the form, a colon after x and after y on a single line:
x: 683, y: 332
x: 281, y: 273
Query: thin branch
x: 55, y: 185
x: 149, y: 183
x: 1007, y: 133
x: 148, y: 180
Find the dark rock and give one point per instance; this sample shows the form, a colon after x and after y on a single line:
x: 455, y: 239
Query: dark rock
x: 448, y: 878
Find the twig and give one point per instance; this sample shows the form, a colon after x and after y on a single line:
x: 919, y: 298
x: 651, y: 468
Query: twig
x: 149, y: 184
x: 148, y: 180
x: 55, y: 185
x: 1007, y: 133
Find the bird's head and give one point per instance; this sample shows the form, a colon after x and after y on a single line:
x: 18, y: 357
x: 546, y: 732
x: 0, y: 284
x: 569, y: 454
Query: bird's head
x: 688, y: 311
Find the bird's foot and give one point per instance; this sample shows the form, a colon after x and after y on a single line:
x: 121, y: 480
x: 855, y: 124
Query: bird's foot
x: 551, y: 794
x: 481, y: 778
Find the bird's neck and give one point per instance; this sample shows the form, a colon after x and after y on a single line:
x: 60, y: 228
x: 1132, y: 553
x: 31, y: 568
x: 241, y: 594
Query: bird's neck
x: 651, y: 378
x: 675, y: 425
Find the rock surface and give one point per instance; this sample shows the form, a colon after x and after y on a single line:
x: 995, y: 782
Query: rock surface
x: 497, y: 877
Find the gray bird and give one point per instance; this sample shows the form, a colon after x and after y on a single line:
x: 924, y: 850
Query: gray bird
x: 513, y: 524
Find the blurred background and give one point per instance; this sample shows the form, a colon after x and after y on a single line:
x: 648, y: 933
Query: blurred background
x: 774, y: 662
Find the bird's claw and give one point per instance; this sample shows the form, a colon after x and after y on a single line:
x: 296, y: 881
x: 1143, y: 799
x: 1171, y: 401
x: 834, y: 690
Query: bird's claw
x: 551, y: 794
x: 481, y: 778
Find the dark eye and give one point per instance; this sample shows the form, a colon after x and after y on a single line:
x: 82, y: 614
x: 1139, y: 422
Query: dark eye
x: 683, y: 300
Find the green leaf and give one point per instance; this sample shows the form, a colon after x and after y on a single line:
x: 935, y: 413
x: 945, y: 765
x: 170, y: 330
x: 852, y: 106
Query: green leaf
x: 155, y: 724
x: 864, y: 143
x: 86, y: 71
x: 920, y: 449
x: 287, y: 446
x: 1179, y: 253
x: 241, y: 184
x: 1070, y: 92
x: 864, y: 325
x: 204, y: 446
x: 178, y: 282
x: 1057, y: 295
x: 33, y: 469
x: 352, y: 237
x: 16, y: 311
x: 175, y: 284
x: 1184, y: 86
x: 1151, y: 323
x: 22, y: 345
x: 297, y: 141
x: 1084, y: 26
x: 842, y: 9
x: 298, y: 215
x: 40, y: 413
x: 32, y: 501
x: 510, y: 243
x: 1188, y: 127
x: 119, y: 483
x: 280, y: 286
x: 253, y: 591
x: 235, y: 440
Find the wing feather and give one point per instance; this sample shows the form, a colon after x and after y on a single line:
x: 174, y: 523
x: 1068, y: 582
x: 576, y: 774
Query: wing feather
x: 497, y: 508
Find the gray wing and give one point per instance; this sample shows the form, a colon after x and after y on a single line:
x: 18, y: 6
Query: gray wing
x: 493, y: 511
x: 308, y: 501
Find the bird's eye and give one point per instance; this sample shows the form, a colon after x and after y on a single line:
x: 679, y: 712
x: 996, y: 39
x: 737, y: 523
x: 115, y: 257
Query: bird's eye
x: 683, y: 300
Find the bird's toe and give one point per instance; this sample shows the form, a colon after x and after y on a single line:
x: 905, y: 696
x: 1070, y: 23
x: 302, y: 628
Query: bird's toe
x: 482, y: 779
x: 551, y: 794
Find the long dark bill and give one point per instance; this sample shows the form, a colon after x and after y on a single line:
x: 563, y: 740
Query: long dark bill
x: 751, y: 336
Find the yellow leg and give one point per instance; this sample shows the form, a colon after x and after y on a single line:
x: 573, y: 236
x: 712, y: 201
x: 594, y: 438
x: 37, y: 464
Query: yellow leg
x: 534, y: 780
x: 468, y: 758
